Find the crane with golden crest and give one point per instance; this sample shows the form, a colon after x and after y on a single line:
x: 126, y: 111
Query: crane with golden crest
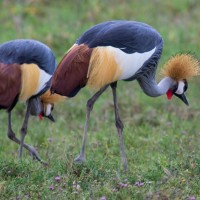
x: 120, y: 50
x: 26, y: 68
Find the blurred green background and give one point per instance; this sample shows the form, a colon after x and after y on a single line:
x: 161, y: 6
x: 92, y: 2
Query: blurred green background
x: 161, y: 137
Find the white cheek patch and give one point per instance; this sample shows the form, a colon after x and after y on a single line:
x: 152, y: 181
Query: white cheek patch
x: 48, y: 110
x: 180, y: 89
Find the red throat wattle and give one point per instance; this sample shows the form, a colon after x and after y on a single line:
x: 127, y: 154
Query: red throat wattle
x: 40, y: 116
x: 169, y: 94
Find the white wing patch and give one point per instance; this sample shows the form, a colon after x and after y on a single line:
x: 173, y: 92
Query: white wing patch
x: 43, y: 78
x: 130, y: 63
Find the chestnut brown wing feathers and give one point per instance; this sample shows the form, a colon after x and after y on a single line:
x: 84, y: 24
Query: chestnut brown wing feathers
x: 71, y: 74
x: 10, y: 84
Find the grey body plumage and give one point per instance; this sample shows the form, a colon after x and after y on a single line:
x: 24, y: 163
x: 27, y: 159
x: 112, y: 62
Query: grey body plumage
x: 28, y: 51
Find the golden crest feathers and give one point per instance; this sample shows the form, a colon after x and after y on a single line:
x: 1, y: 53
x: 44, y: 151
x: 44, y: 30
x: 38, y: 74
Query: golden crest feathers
x: 47, y: 97
x: 182, y: 66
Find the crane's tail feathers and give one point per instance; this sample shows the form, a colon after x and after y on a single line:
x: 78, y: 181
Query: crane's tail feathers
x: 71, y: 73
x: 182, y: 66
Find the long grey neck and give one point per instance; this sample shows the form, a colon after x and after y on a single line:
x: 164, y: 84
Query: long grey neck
x: 151, y: 88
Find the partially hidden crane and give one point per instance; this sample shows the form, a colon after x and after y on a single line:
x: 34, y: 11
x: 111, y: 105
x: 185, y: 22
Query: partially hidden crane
x: 120, y: 50
x: 26, y: 68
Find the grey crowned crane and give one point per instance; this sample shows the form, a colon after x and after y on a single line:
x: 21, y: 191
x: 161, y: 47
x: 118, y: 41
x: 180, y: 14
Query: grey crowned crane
x: 26, y: 68
x: 120, y: 50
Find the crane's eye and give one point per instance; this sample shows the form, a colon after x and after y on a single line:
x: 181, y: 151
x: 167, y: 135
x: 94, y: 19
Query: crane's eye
x: 174, y: 89
x: 186, y: 86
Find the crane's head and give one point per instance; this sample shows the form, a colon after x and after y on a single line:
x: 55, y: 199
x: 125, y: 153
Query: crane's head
x: 41, y: 109
x: 179, y: 91
x: 180, y: 68
x: 46, y: 109
x: 47, y: 101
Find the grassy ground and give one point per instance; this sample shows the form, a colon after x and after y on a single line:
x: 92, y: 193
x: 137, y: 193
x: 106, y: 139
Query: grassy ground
x: 161, y: 137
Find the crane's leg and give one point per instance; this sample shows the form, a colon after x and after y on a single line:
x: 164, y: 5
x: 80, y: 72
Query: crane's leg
x: 24, y: 128
x: 11, y: 136
x: 119, y: 125
x: 89, y: 108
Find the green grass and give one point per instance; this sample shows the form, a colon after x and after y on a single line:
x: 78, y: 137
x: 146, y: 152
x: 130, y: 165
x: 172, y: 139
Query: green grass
x: 161, y: 137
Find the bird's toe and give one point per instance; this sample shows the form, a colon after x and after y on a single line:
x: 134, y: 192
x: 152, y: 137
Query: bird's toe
x: 79, y: 160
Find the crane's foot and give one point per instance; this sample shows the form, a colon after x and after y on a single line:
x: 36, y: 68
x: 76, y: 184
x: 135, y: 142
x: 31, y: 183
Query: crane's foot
x: 20, y: 150
x: 125, y: 167
x: 35, y: 155
x: 79, y: 160
x: 124, y: 163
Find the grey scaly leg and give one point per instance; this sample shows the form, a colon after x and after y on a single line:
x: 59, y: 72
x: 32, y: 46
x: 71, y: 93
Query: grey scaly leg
x: 89, y: 107
x: 24, y: 128
x: 11, y: 136
x: 119, y: 125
